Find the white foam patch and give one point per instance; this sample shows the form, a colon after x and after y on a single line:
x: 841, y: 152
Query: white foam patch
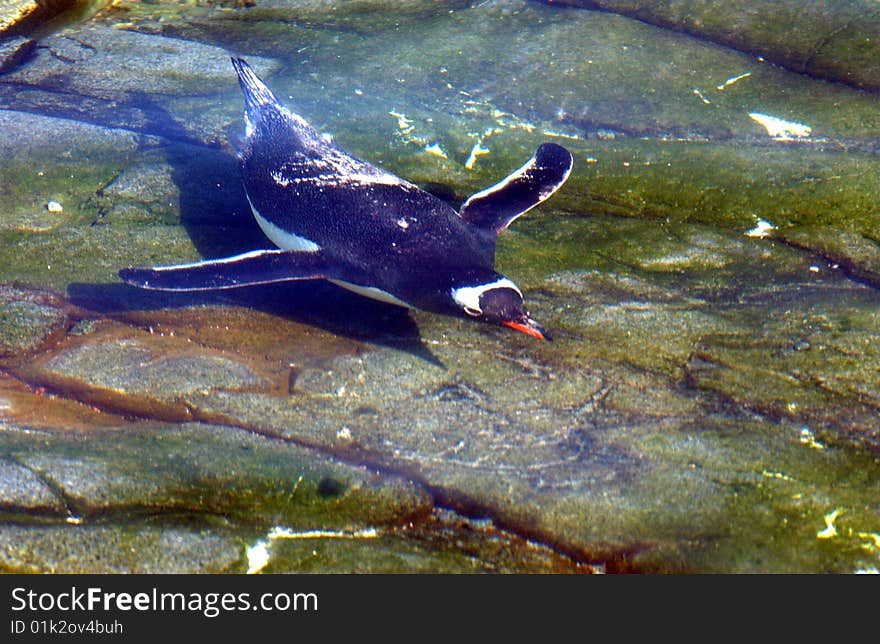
x: 404, y: 124
x: 468, y: 297
x: 733, y: 79
x: 436, y: 150
x: 761, y: 230
x: 286, y: 533
x: 781, y: 130
x: 282, y: 238
x: 477, y: 150
x: 257, y: 557
x: 809, y: 439
x: 373, y: 293
x: 562, y: 135
x: 830, y: 530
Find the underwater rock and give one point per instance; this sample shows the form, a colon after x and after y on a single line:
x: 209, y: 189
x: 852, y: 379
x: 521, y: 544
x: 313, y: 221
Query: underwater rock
x: 113, y: 185
x: 22, y: 490
x: 106, y: 495
x: 136, y: 548
x: 41, y: 139
x: 637, y: 80
x: 27, y: 321
x: 814, y: 360
x: 652, y: 134
x: 706, y: 405
x: 358, y: 15
x: 116, y: 64
x: 144, y: 193
x: 857, y: 255
x: 110, y: 500
x: 14, y: 51
x: 206, y: 471
x: 121, y: 78
x: 178, y: 184
x: 610, y: 444
x: 54, y: 159
x: 145, y: 183
x: 830, y: 40
x: 227, y: 481
x: 444, y: 544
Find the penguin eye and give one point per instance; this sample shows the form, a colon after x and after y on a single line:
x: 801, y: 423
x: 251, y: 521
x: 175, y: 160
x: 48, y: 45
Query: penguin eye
x: 473, y: 312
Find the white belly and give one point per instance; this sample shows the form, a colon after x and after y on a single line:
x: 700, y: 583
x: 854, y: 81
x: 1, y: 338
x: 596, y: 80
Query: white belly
x: 372, y: 293
x: 282, y: 238
x: 289, y: 241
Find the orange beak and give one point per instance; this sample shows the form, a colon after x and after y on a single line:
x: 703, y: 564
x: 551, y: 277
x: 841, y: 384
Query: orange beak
x: 530, y: 328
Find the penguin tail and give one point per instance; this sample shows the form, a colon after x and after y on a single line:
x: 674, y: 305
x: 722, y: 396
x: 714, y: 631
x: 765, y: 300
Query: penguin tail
x: 256, y: 94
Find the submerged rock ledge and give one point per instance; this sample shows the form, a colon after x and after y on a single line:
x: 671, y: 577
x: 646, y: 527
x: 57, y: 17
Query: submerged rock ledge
x: 709, y: 403
x: 825, y: 40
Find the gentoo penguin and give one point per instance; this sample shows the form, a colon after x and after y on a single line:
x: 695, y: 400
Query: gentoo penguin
x: 338, y: 218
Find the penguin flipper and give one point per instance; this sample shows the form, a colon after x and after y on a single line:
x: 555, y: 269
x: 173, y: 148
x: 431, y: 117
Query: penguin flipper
x: 255, y: 267
x: 493, y: 209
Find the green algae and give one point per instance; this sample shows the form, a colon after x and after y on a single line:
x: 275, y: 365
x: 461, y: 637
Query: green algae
x: 28, y: 321
x: 636, y: 79
x: 727, y: 185
x: 829, y: 40
x: 444, y: 544
x: 857, y: 253
x: 209, y: 471
x: 159, y: 498
x: 44, y: 159
x: 783, y: 505
x: 595, y: 461
x: 368, y: 15
x: 119, y: 549
x: 717, y: 183
x: 709, y: 400
x: 90, y: 254
x: 815, y: 361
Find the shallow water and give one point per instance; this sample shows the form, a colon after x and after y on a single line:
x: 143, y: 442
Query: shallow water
x: 709, y: 272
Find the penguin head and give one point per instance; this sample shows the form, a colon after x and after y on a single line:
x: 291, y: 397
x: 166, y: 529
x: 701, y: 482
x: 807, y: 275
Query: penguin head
x: 496, y: 300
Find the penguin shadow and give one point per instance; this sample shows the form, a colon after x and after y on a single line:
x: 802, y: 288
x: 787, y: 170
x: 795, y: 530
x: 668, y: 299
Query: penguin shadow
x: 315, y: 303
x: 216, y: 215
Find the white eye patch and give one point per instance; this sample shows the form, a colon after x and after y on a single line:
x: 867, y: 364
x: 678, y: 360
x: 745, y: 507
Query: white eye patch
x: 468, y: 297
